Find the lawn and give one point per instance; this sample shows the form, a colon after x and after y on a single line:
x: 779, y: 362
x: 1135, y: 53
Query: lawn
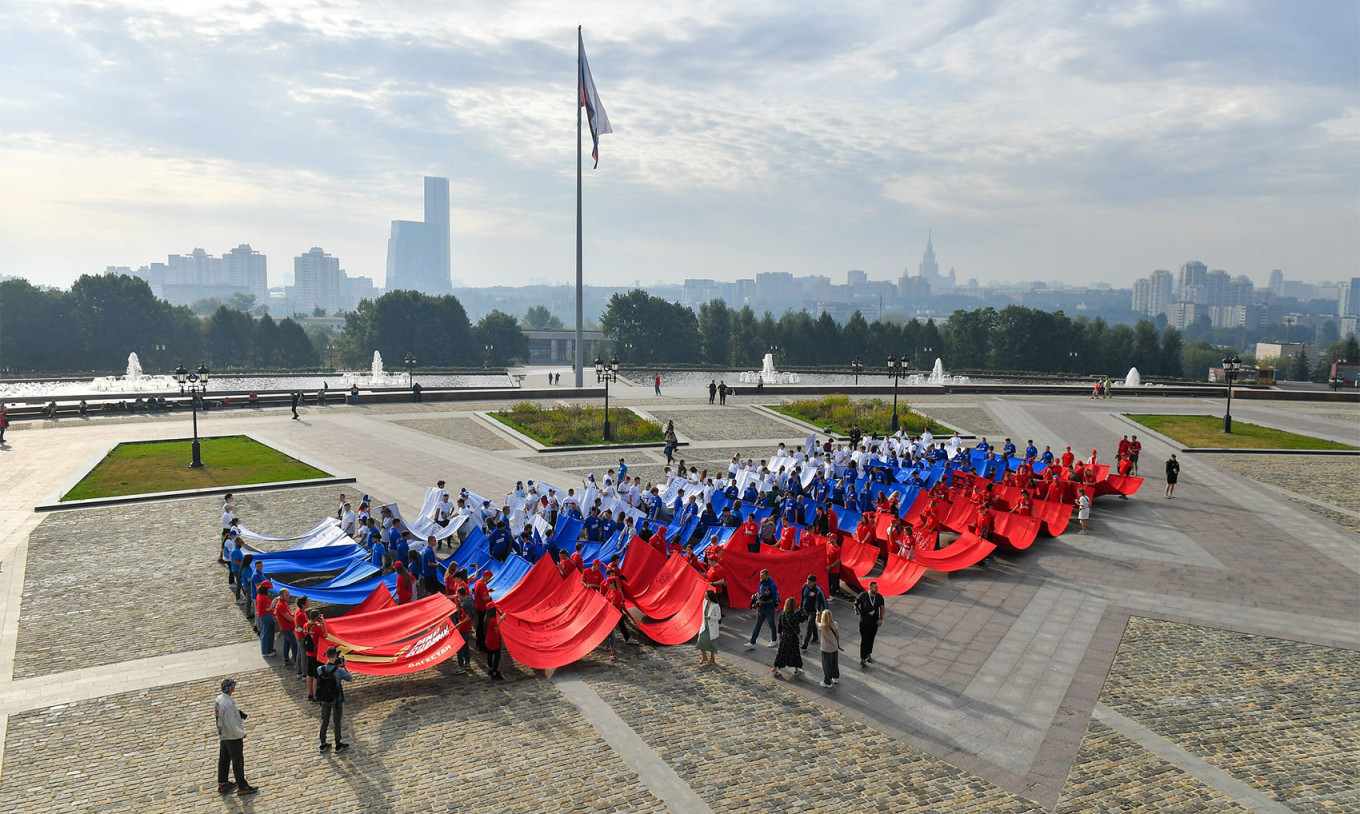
x: 579, y: 426
x: 1207, y: 431
x: 163, y: 466
x: 838, y: 413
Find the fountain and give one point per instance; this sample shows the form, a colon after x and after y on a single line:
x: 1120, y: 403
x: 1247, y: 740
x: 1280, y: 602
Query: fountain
x: 1133, y: 379
x: 937, y: 372
x: 768, y: 375
x: 134, y: 381
x: 376, y: 377
x: 937, y: 376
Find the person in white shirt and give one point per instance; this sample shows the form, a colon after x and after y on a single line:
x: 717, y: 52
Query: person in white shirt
x: 347, y: 520
x: 228, y: 517
x: 443, y: 511
x: 231, y: 733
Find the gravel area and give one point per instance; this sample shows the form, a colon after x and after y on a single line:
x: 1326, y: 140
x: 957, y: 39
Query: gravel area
x: 433, y: 741
x: 973, y: 420
x: 142, y: 580
x: 745, y: 743
x: 726, y: 424
x: 463, y: 430
x: 1332, y: 479
x: 1277, y: 715
x: 1112, y: 773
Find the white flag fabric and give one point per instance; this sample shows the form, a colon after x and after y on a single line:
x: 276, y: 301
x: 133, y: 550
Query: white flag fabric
x: 590, y: 100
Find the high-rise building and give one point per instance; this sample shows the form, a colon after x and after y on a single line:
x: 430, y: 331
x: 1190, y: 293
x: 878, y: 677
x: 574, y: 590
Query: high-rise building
x: 186, y: 278
x: 318, y: 282
x: 245, y: 268
x: 929, y: 270
x: 855, y: 277
x: 1152, y: 294
x: 1277, y: 282
x: 418, y: 256
x: 1349, y: 305
x: 1191, y: 274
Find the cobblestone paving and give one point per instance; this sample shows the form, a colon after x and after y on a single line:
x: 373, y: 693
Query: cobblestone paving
x: 725, y: 425
x: 1112, y: 773
x: 433, y: 741
x: 596, y: 462
x: 750, y: 744
x: 972, y: 420
x: 463, y: 430
x: 1332, y: 479
x: 108, y: 585
x: 1277, y: 715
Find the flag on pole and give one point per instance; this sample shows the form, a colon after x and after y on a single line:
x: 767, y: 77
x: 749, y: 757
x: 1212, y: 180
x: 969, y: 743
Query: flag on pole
x: 590, y: 100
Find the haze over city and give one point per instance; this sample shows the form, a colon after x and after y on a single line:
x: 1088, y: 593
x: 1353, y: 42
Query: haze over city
x: 1051, y: 141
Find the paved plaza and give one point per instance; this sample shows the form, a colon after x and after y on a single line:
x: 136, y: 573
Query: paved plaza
x: 1195, y: 654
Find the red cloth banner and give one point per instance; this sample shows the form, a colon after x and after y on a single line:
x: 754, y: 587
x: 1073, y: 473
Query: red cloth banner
x: 789, y: 569
x: 1015, y: 530
x: 426, y: 650
x: 968, y: 550
x: 675, y: 588
x: 1053, y: 516
x: 560, y: 628
x: 387, y: 625
x: 543, y: 578
x: 857, y: 558
x: 899, y: 576
x: 379, y: 599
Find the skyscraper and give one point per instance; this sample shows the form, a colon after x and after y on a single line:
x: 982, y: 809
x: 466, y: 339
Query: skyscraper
x: 319, y: 281
x: 929, y: 269
x: 418, y: 256
x: 1349, y: 305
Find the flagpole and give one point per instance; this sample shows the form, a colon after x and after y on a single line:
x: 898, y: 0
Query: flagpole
x: 580, y: 350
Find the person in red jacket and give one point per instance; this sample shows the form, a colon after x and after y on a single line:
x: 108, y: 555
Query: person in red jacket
x: 566, y: 566
x: 613, y: 594
x: 481, y: 604
x: 787, y: 541
x: 1024, y: 506
x: 492, y: 636
x: 406, y: 584
x: 591, y: 577
x: 833, y: 565
x: 264, y: 605
x: 1067, y: 459
x: 283, y: 616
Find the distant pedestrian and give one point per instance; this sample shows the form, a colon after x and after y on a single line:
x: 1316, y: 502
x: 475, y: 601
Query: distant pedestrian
x: 722, y: 392
x: 672, y: 441
x: 870, y: 608
x: 264, y: 613
x: 712, y: 390
x: 790, y: 622
x: 331, y: 695
x: 354, y: 394
x: 415, y: 392
x: 709, y: 631
x: 812, y: 603
x: 1173, y: 473
x: 493, y: 643
x: 300, y: 620
x: 296, y: 397
x: 656, y: 382
x: 764, y: 603
x: 1083, y: 509
x: 830, y: 648
x: 283, y: 618
x: 231, y: 735
x: 4, y: 421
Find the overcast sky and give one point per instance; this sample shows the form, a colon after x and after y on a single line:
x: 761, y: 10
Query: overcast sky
x: 1068, y: 141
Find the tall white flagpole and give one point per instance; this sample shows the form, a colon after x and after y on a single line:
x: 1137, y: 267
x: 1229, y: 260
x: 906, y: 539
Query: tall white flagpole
x: 580, y: 349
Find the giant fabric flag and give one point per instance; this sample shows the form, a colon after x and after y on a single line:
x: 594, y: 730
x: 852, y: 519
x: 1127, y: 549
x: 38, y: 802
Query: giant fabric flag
x: 590, y: 100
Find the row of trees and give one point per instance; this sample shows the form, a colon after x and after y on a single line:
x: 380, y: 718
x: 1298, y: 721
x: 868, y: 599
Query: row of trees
x: 648, y: 330
x: 436, y: 329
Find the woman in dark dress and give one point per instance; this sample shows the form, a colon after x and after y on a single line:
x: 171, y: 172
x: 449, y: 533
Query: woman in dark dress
x: 790, y: 625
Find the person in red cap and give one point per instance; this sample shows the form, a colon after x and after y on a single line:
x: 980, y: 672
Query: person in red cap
x: 613, y: 594
x: 492, y: 637
x: 481, y: 603
x: 1067, y: 459
x: 591, y: 577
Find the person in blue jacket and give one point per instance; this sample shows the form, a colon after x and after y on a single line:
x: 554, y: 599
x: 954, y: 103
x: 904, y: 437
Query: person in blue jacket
x: 765, y: 602
x: 1031, y: 451
x: 498, y: 542
x: 1008, y: 451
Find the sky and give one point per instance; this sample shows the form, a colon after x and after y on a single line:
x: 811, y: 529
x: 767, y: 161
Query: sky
x: 1072, y: 142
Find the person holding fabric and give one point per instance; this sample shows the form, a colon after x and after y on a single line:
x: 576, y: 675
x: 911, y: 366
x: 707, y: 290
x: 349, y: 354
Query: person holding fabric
x: 765, y: 602
x: 429, y: 566
x: 790, y: 622
x: 481, y: 604
x: 234, y: 560
x: 464, y: 616
x: 493, y: 643
x: 812, y: 603
x: 283, y: 619
x: 231, y: 735
x: 264, y: 613
x: 870, y: 608
x: 710, y: 629
x: 405, y: 584
x: 331, y: 693
x: 613, y: 594
x: 317, y: 631
x: 830, y: 648
x: 300, y: 635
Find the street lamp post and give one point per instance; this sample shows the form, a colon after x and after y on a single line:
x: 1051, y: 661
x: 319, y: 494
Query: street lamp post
x: 330, y: 354
x: 857, y: 367
x: 487, y: 352
x: 1232, y: 366
x: 897, y: 369
x: 606, y: 375
x: 160, y: 349
x: 195, y: 384
x: 410, y: 361
x: 1335, y: 382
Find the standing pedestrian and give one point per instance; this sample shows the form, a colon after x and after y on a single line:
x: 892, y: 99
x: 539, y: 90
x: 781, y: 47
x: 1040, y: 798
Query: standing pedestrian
x: 1083, y: 509
x: 296, y: 397
x: 231, y: 735
x: 300, y: 619
x: 493, y: 643
x: 1173, y: 473
x: 831, y: 648
x: 464, y: 621
x: 265, y: 616
x: 870, y: 608
x: 656, y: 383
x: 722, y: 392
x: 316, y: 634
x: 712, y: 391
x: 4, y: 421
x: 708, y: 633
x: 812, y: 603
x: 332, y: 695
x: 790, y: 622
x: 765, y: 602
x: 283, y: 618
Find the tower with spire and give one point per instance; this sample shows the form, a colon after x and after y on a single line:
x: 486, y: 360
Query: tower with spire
x: 929, y: 269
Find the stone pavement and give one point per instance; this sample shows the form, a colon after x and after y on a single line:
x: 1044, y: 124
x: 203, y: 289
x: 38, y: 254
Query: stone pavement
x: 1192, y: 654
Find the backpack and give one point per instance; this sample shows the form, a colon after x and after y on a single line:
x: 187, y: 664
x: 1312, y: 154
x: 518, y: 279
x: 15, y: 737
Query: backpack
x: 327, y: 684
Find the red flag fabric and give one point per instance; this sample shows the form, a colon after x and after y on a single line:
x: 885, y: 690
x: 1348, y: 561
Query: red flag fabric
x: 675, y: 588
x: 1015, y: 530
x: 560, y: 628
x: 387, y: 625
x: 968, y: 550
x: 1117, y: 485
x: 430, y: 648
x: 789, y: 569
x: 1053, y: 515
x: 679, y: 627
x: 543, y: 578
x: 641, y: 563
x: 857, y: 558
x: 379, y: 599
x: 899, y: 576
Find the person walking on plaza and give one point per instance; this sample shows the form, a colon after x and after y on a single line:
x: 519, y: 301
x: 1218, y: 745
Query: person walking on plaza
x: 656, y: 383
x: 790, y: 623
x: 672, y: 441
x: 1083, y: 509
x: 870, y: 608
x: 712, y: 391
x: 231, y: 735
x: 830, y: 648
x: 331, y: 694
x: 708, y: 633
x: 1173, y: 473
x: 296, y: 397
x: 813, y: 602
x: 722, y: 392
x: 765, y: 603
x: 4, y: 421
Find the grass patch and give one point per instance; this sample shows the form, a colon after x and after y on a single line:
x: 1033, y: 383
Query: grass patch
x: 579, y: 426
x: 838, y: 413
x: 1207, y: 431
x: 163, y: 466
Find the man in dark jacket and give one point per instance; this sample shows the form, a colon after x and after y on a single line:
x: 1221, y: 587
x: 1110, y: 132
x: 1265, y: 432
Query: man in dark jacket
x: 765, y: 602
x: 813, y: 603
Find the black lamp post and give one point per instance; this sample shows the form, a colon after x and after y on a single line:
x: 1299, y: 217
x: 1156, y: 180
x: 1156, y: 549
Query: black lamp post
x: 195, y: 384
x: 926, y: 352
x: 896, y: 369
x: 160, y: 349
x: 1336, y: 382
x: 856, y: 367
x: 606, y: 375
x: 330, y: 354
x: 488, y: 351
x: 1232, y: 366
x: 410, y: 361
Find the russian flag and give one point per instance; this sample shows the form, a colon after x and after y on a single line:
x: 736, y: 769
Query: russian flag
x: 590, y: 100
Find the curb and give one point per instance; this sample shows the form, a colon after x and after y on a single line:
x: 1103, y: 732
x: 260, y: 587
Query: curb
x: 813, y: 428
x: 1176, y: 445
x: 152, y: 497
x: 530, y: 443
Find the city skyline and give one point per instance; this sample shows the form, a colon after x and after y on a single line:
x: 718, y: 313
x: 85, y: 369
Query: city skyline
x: 1056, y: 144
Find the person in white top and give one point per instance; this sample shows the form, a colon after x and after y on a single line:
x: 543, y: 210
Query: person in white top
x: 231, y: 733
x: 347, y: 520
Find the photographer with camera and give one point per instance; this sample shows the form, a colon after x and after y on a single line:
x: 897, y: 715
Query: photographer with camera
x: 764, y: 601
x: 332, y: 695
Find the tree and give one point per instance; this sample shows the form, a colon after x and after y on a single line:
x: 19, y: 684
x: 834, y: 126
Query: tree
x: 507, y: 340
x: 436, y: 329
x: 539, y: 318
x: 227, y: 335
x: 1170, y: 353
x: 38, y: 328
x: 1145, y: 353
x: 715, y: 332
x: 294, y: 348
x: 266, y: 342
x: 648, y: 329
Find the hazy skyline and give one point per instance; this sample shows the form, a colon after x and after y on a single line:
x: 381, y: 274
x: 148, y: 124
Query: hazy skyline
x: 1052, y: 140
